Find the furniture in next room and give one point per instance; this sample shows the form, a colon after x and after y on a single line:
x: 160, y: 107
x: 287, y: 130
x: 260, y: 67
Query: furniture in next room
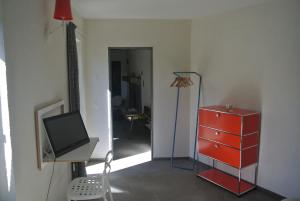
x: 93, y: 186
x: 147, y: 115
x: 230, y: 136
x: 132, y: 115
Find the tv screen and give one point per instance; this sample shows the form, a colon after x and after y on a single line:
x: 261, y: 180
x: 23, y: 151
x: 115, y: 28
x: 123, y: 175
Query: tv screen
x: 66, y: 132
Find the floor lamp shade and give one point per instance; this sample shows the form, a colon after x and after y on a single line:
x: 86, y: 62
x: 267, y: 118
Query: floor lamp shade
x: 63, y: 10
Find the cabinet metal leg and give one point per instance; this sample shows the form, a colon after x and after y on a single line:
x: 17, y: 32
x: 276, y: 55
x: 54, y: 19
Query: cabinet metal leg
x: 239, y: 185
x: 255, y: 176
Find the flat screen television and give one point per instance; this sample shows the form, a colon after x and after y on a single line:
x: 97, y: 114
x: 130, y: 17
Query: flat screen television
x: 66, y: 132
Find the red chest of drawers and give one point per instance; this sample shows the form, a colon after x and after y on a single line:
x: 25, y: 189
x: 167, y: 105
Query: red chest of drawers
x: 229, y: 136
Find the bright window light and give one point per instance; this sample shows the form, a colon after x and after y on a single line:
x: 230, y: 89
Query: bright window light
x: 117, y: 190
x: 121, y: 163
x: 5, y: 123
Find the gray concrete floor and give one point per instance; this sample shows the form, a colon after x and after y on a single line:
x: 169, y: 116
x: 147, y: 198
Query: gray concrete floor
x: 157, y: 181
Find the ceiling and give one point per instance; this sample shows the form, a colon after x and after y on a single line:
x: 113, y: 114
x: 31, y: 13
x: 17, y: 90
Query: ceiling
x: 157, y: 9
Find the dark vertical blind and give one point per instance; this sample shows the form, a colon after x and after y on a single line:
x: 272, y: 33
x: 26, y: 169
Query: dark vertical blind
x: 78, y: 169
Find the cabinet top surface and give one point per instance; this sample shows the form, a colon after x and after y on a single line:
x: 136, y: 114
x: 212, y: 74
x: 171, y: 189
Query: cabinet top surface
x: 235, y: 111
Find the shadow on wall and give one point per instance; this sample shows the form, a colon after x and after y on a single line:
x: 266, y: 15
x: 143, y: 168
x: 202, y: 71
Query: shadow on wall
x: 243, y: 95
x: 7, y: 191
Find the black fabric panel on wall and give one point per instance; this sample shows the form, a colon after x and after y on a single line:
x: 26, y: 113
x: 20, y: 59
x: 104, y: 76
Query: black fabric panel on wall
x: 72, y: 62
x: 78, y: 169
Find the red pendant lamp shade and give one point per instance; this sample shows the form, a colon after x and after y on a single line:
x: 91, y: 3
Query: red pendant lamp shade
x: 63, y: 10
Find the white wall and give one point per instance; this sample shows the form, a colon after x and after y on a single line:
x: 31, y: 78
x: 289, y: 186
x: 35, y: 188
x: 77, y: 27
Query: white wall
x: 170, y: 42
x: 37, y: 75
x: 7, y: 181
x: 250, y: 58
x: 141, y: 64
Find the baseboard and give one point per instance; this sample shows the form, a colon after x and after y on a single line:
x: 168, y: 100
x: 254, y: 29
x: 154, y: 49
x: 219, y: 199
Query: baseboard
x: 273, y: 194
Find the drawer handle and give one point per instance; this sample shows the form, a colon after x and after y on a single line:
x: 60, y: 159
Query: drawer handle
x: 216, y: 146
x: 217, y: 115
x: 217, y: 133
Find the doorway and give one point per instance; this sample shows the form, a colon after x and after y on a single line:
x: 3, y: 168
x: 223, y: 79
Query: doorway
x: 130, y: 83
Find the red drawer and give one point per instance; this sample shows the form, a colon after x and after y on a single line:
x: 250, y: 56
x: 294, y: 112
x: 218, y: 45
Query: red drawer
x: 219, y: 136
x: 228, y: 155
x: 220, y: 152
x: 221, y: 121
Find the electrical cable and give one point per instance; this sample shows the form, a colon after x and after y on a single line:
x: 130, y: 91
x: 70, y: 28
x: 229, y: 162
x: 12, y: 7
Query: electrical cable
x: 49, y: 186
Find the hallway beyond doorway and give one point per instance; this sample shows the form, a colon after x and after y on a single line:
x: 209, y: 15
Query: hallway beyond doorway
x: 128, y: 142
x: 131, y: 100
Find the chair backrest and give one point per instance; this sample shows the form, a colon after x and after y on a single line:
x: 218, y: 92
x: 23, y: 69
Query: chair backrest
x: 108, y: 159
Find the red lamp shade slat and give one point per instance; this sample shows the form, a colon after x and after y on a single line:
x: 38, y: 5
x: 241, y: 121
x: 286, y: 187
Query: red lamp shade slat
x: 63, y: 10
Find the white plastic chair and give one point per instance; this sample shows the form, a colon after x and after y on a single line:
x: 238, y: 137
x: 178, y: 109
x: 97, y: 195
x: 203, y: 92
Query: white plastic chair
x: 93, y: 186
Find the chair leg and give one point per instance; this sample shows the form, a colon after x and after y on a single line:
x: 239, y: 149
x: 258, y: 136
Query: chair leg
x: 110, y: 195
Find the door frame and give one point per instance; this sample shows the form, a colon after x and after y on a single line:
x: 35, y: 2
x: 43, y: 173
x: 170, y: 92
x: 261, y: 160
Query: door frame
x: 151, y: 91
